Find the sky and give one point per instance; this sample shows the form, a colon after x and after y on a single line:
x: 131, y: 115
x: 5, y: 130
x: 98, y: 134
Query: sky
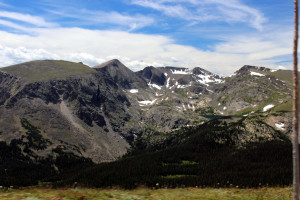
x: 218, y: 35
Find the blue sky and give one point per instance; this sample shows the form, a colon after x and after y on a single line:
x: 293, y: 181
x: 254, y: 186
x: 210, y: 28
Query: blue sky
x: 218, y: 35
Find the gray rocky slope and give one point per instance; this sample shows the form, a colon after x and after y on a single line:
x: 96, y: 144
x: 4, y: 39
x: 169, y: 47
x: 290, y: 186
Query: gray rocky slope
x: 97, y: 112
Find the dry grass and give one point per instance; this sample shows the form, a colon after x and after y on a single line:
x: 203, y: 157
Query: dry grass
x: 142, y: 193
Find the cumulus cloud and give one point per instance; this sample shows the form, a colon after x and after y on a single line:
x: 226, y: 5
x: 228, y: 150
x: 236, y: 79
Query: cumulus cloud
x: 86, y: 58
x: 281, y: 67
x: 20, y: 54
x: 10, y: 56
x: 139, y: 50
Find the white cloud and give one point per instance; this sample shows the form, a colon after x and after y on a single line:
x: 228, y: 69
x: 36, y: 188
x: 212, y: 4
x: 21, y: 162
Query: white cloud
x: 4, y: 4
x: 9, y: 56
x: 13, y: 25
x: 265, y: 47
x: 34, y: 20
x: 281, y: 67
x: 86, y: 58
x: 207, y: 10
x: 47, y: 40
x: 176, y: 10
x: 241, y: 12
x: 140, y: 50
x: 79, y: 16
x: 134, y: 22
x: 89, y: 17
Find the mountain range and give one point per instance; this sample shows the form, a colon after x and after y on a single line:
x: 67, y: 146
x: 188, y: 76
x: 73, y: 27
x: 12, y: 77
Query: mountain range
x: 54, y: 109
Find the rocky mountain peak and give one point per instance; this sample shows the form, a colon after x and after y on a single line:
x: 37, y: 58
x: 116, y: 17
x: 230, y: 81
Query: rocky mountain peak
x: 153, y: 75
x: 110, y: 63
x: 121, y: 75
x: 147, y: 72
x: 247, y: 68
x: 198, y: 71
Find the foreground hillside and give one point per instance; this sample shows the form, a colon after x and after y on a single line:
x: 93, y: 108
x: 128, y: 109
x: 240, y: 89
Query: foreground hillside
x: 170, y: 194
x: 216, y: 153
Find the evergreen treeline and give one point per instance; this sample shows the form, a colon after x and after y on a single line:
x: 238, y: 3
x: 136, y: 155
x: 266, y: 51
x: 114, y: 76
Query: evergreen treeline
x: 208, y: 155
x: 211, y: 155
x: 21, y: 166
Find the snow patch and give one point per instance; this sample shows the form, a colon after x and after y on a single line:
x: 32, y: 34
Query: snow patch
x: 280, y: 126
x: 133, y: 91
x: 205, y: 79
x: 256, y: 74
x: 268, y: 107
x: 147, y: 102
x: 178, y: 108
x: 168, y: 83
x: 154, y: 86
x: 185, y: 71
x: 183, y: 106
x: 165, y: 74
x: 218, y: 80
x: 248, y: 114
x: 181, y: 86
